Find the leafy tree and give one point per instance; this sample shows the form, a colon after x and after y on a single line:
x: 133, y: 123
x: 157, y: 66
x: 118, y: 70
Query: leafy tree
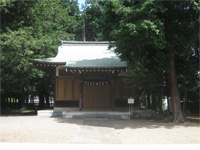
x: 15, y: 14
x: 92, y: 14
x: 53, y: 21
x: 15, y: 66
x: 151, y: 36
x: 32, y: 29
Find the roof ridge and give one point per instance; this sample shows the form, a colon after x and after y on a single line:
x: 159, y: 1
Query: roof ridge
x: 86, y: 42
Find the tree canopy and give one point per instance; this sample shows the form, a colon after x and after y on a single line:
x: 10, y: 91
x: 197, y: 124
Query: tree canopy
x: 32, y: 29
x: 159, y: 40
x: 154, y: 37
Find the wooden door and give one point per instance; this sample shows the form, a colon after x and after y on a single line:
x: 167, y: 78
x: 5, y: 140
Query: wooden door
x: 96, y: 96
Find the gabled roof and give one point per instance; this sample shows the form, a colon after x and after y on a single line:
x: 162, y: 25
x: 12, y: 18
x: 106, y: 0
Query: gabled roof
x: 77, y: 54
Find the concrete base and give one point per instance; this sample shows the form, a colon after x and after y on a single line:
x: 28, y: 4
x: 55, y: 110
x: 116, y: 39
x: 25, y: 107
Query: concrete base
x: 110, y: 114
x: 47, y: 113
x: 76, y: 113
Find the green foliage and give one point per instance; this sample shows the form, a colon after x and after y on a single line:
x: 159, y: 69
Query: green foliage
x: 148, y: 33
x: 16, y: 50
x: 139, y: 37
x: 32, y: 29
x: 17, y: 14
x: 188, y: 76
x: 92, y: 14
x: 4, y: 4
x: 53, y: 21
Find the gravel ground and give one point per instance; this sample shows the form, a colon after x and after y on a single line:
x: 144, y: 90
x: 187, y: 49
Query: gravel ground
x: 34, y: 129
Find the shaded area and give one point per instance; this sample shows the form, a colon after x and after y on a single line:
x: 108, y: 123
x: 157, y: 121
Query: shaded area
x: 18, y: 112
x: 193, y: 118
x: 136, y: 123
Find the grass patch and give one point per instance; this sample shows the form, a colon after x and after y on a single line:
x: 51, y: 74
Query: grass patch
x: 20, y: 112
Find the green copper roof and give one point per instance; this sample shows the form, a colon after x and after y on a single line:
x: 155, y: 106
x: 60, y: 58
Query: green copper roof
x: 77, y: 54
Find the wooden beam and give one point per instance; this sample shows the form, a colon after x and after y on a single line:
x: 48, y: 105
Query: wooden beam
x: 55, y: 91
x: 57, y: 71
x: 112, y: 94
x: 80, y: 95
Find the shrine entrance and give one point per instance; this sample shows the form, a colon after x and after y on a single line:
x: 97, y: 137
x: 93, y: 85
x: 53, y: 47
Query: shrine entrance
x: 96, y: 95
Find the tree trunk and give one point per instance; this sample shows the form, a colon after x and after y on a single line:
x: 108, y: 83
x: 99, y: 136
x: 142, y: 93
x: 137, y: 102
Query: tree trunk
x: 148, y: 101
x: 2, y: 103
x: 22, y: 99
x: 47, y: 100
x: 32, y: 101
x: 41, y: 101
x: 160, y: 103
x: 27, y: 98
x: 175, y: 98
x: 14, y: 100
x: 10, y: 103
x: 153, y: 102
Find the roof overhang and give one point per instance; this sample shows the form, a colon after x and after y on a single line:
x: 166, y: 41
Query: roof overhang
x: 83, y: 55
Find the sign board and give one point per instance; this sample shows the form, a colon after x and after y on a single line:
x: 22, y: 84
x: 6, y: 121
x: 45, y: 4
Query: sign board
x: 130, y: 100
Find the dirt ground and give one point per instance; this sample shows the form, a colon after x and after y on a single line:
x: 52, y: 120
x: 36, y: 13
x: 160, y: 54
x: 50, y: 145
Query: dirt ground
x: 34, y: 129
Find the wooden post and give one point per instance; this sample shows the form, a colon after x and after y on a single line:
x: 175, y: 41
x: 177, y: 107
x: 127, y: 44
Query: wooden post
x: 55, y: 91
x: 112, y: 94
x: 80, y: 95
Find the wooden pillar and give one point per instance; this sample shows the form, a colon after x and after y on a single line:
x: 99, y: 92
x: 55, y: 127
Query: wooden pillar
x: 80, y: 95
x: 112, y: 94
x: 55, y: 91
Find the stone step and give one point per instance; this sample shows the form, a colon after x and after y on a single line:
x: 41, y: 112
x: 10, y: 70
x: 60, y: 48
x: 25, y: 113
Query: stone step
x: 108, y: 115
x: 96, y: 114
x: 45, y: 113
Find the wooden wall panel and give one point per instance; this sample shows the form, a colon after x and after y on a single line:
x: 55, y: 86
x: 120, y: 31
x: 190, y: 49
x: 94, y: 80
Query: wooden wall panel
x: 69, y: 89
x: 106, y: 95
x: 125, y: 91
x: 117, y: 89
x: 60, y: 89
x: 85, y: 96
x: 76, y: 89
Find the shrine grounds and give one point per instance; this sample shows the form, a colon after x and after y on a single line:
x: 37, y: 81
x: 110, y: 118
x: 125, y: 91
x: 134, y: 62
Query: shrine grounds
x: 35, y: 129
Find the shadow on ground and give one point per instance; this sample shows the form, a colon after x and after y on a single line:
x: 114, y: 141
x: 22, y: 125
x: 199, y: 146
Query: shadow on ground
x: 135, y: 123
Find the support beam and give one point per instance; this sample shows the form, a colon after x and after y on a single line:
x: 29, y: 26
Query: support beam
x: 57, y: 71
x: 112, y: 94
x: 55, y: 91
x: 80, y: 95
